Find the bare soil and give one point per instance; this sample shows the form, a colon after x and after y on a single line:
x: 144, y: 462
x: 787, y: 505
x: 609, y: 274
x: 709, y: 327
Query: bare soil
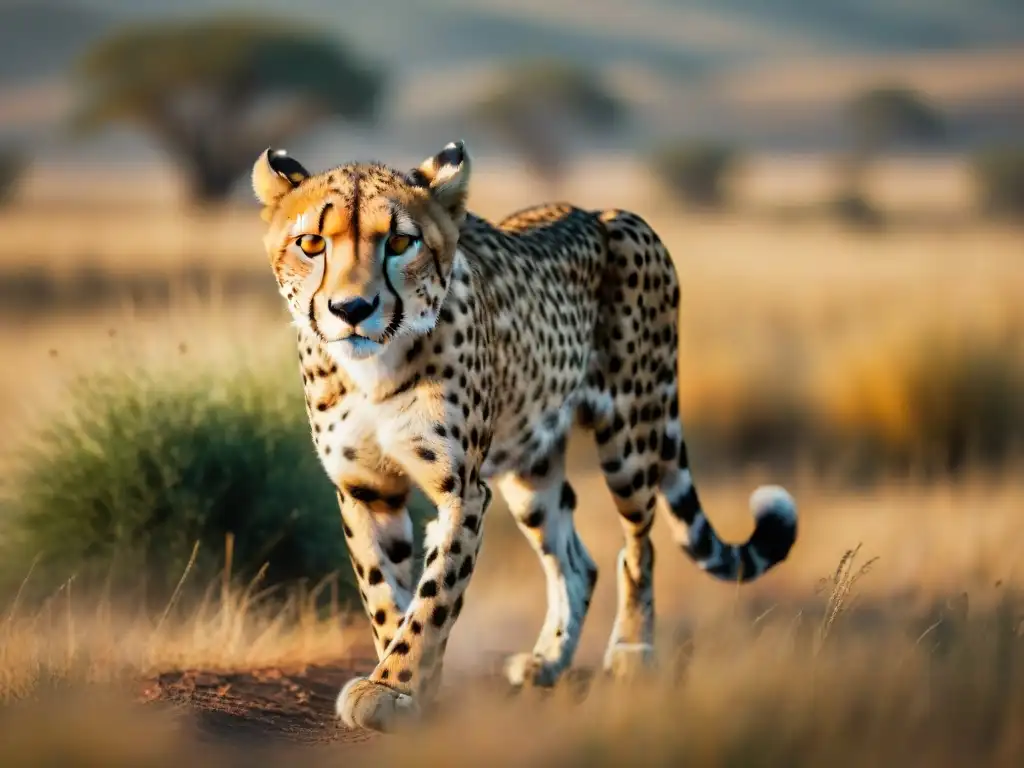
x: 263, y: 705
x: 286, y: 708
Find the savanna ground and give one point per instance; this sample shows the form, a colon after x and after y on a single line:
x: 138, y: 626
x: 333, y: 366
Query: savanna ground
x: 879, y: 375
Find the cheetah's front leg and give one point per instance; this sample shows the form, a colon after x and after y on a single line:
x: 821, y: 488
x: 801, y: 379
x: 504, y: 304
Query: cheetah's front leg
x: 409, y: 672
x: 379, y: 537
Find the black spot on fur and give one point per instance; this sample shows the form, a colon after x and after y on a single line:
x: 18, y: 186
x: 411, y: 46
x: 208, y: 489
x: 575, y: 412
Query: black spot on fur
x: 439, y: 616
x: 429, y: 589
x: 398, y: 551
x: 535, y: 519
x: 401, y: 648
x: 567, y: 501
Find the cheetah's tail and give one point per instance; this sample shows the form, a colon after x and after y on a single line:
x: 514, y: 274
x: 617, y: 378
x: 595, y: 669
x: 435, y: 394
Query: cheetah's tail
x: 775, y: 528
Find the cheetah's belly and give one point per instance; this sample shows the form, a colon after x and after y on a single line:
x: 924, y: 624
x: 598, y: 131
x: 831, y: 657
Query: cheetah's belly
x: 529, y: 438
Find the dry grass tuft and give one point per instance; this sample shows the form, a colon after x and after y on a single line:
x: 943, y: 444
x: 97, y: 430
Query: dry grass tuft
x: 839, y: 586
x: 69, y: 640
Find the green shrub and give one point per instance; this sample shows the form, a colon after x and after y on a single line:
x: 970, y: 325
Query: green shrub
x: 143, y: 463
x: 999, y: 176
x: 696, y: 171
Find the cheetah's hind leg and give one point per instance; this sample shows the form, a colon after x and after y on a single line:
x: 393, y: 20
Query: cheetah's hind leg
x: 542, y: 502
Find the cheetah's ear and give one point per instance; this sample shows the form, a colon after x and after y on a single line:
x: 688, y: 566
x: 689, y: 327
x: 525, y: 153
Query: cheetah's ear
x: 446, y: 175
x: 275, y: 174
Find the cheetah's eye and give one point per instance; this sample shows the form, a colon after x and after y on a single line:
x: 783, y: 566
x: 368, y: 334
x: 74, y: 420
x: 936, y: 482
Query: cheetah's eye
x: 399, y: 244
x: 312, y: 245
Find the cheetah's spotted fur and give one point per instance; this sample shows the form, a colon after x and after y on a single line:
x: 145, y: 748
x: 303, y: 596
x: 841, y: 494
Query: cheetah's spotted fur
x: 441, y: 350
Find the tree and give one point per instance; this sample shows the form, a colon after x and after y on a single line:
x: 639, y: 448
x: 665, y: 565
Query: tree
x: 13, y: 164
x: 999, y: 175
x: 696, y: 171
x: 538, y: 103
x: 216, y: 92
x: 878, y: 118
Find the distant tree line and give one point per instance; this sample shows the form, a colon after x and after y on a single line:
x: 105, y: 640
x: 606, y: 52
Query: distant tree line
x: 214, y: 92
x: 697, y: 172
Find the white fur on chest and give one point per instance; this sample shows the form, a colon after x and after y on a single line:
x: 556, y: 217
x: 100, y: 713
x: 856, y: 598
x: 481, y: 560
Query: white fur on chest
x: 372, y: 438
x: 369, y: 439
x: 358, y: 436
x: 345, y: 446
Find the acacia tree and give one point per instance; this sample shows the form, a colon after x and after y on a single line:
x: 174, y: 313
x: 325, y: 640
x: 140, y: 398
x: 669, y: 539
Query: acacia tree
x: 696, y: 171
x: 883, y: 116
x: 216, y: 92
x: 538, y: 103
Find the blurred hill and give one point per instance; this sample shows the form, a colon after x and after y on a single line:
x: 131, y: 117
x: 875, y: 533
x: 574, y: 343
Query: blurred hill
x: 770, y: 75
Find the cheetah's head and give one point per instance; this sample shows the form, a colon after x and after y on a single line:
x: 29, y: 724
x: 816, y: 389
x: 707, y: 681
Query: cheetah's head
x: 363, y: 253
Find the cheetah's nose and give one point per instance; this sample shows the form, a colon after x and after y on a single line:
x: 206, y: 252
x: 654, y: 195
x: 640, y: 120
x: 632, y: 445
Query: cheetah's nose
x: 353, y: 311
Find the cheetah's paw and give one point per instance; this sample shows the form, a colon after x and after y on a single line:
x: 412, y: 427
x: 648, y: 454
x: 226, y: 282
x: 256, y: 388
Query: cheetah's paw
x: 364, y: 703
x: 528, y: 669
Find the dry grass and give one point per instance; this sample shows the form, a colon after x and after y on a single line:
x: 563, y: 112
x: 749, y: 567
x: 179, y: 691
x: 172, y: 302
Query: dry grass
x: 858, y: 339
x: 73, y: 639
x: 836, y: 681
x: 762, y: 692
x: 925, y: 543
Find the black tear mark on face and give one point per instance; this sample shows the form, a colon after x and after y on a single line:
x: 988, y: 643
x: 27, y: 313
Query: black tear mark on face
x: 312, y: 323
x: 434, y: 258
x: 398, y: 316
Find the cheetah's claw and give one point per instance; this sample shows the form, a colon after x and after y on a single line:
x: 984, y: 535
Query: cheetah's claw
x: 364, y: 703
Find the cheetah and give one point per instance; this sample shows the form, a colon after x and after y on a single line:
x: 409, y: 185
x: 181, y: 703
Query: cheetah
x: 446, y: 352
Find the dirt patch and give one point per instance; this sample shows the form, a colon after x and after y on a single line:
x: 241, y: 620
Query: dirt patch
x: 270, y: 705
x: 281, y: 708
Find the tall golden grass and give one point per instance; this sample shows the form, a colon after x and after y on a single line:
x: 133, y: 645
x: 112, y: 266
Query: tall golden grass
x: 836, y: 681
x: 926, y: 543
x: 71, y: 640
